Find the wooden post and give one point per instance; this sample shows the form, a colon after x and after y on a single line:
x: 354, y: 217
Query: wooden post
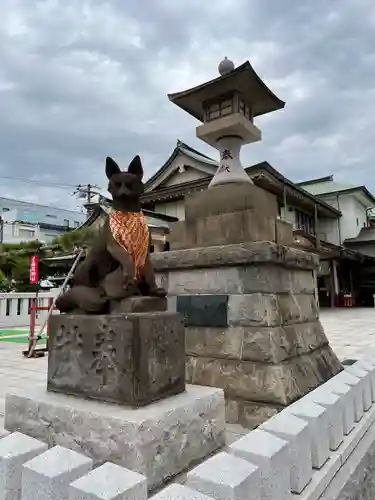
x: 316, y: 223
x: 33, y: 306
x: 284, y: 202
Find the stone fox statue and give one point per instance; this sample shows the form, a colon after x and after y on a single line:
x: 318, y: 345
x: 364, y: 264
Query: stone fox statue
x: 118, y: 263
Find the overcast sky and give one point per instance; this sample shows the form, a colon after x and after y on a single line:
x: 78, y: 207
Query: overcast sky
x: 82, y: 79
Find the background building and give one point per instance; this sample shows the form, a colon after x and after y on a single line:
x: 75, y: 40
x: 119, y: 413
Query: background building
x: 325, y: 216
x: 354, y: 202
x: 23, y: 221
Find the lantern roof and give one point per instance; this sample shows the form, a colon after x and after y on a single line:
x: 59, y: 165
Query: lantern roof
x: 242, y: 79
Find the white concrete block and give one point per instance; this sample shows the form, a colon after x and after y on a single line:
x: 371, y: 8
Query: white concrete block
x: 226, y: 477
x: 109, y: 482
x: 334, y: 405
x: 15, y: 450
x: 47, y: 477
x: 272, y: 456
x: 368, y: 358
x: 364, y: 376
x: 318, y: 420
x: 370, y: 369
x: 179, y: 492
x: 355, y: 384
x: 346, y: 394
x: 296, y: 432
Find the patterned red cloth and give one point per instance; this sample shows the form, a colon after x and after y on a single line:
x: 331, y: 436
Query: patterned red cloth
x: 130, y: 231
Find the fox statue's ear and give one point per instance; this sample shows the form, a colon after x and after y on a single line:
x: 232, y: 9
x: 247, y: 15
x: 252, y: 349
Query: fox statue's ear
x: 111, y: 167
x: 135, y: 167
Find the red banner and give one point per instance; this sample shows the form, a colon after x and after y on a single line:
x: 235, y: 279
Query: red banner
x: 34, y: 270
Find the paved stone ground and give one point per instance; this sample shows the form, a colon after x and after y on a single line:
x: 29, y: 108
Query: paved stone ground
x: 351, y: 333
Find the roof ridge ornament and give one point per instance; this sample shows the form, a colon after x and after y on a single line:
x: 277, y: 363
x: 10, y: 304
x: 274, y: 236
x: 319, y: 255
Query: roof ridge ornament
x: 226, y: 66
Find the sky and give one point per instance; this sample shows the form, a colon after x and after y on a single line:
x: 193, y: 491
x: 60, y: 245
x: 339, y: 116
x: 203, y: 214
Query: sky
x: 82, y: 80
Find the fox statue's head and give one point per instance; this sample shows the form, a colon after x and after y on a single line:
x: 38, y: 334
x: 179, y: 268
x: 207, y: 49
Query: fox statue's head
x: 125, y: 187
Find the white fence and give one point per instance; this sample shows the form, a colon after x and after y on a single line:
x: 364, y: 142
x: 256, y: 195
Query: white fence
x: 15, y: 308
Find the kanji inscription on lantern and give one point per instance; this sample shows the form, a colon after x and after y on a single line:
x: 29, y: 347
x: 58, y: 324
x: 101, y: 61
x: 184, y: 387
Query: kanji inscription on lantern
x: 226, y: 155
x: 224, y: 168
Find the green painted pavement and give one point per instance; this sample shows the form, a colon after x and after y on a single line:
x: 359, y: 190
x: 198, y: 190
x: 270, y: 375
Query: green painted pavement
x: 18, y: 336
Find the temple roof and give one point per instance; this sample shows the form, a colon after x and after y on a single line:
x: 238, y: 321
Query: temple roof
x: 103, y: 208
x: 262, y: 174
x: 184, y: 149
x: 243, y: 79
x: 365, y: 236
x: 326, y: 250
x: 326, y: 186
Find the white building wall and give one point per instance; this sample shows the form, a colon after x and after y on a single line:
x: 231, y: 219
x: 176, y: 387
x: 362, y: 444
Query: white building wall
x: 12, y: 233
x: 22, y: 233
x: 288, y: 215
x: 174, y: 208
x: 329, y: 230
x: 353, y: 215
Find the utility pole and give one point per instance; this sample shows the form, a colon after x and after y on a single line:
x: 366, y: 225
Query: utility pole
x: 86, y: 191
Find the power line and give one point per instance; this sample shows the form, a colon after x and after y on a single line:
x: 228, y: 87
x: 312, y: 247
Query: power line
x: 40, y: 183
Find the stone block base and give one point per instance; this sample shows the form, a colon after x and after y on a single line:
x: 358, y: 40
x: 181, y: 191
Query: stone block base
x: 221, y: 199
x: 279, y: 384
x: 252, y: 324
x: 235, y: 227
x: 132, y: 359
x: 158, y: 441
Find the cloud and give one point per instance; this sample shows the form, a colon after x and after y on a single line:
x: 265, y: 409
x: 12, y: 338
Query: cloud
x: 82, y: 80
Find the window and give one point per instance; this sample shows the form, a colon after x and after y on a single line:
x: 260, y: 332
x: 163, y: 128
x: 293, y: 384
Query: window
x: 220, y: 108
x: 51, y: 216
x: 76, y: 223
x: 66, y: 222
x: 305, y: 222
x: 357, y: 221
x: 26, y: 233
x: 6, y: 209
x: 245, y: 109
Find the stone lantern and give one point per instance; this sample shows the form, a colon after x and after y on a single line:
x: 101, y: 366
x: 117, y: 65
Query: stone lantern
x: 248, y: 297
x: 227, y: 107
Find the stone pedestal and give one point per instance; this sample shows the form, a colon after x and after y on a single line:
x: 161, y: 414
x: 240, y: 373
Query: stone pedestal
x: 133, y: 408
x: 252, y: 323
x: 159, y: 440
x: 132, y: 359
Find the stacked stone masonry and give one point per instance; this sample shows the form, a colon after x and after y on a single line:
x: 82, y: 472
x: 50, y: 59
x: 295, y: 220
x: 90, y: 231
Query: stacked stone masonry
x: 252, y: 324
x: 321, y: 447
